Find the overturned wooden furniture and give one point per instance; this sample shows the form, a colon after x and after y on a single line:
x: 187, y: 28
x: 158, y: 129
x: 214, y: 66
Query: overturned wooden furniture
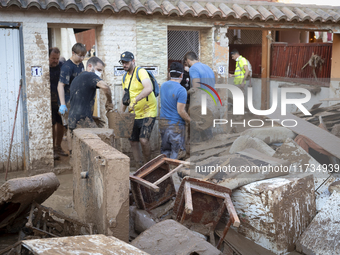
x: 152, y: 184
x: 200, y: 205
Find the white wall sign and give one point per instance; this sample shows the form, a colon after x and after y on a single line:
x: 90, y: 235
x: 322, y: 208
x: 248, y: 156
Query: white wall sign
x: 119, y: 71
x: 36, y: 71
x: 221, y: 69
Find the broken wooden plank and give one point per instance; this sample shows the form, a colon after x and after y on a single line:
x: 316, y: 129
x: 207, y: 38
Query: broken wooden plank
x: 168, y: 175
x: 176, y: 161
x: 232, y: 211
x: 321, y: 137
x: 188, y: 199
x: 144, y: 183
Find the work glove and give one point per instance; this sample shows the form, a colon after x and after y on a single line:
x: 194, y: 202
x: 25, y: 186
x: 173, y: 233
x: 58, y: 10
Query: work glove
x: 62, y: 109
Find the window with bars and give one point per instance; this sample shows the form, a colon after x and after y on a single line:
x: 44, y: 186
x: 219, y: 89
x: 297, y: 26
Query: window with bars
x: 180, y: 42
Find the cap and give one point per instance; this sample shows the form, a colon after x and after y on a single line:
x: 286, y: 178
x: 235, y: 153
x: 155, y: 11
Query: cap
x: 176, y: 67
x: 126, y: 56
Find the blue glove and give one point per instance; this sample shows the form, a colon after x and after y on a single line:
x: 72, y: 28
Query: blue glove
x: 62, y: 109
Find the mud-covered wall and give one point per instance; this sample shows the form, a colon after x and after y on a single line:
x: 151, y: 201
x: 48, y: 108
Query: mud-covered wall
x: 103, y: 197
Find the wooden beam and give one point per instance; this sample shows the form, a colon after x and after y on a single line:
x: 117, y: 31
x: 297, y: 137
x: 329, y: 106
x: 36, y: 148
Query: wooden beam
x: 232, y: 212
x: 176, y: 161
x: 264, y: 70
x: 335, y: 67
x: 168, y: 175
x: 188, y: 208
x: 144, y: 183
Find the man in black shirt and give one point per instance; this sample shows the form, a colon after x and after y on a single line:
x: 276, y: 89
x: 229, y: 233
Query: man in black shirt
x: 70, y: 70
x: 82, y: 95
x: 57, y: 125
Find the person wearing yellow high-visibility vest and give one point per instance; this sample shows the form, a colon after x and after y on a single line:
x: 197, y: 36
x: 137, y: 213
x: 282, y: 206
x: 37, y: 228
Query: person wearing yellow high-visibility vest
x: 241, y: 70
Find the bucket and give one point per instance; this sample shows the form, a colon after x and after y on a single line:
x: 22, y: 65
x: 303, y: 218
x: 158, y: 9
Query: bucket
x: 121, y: 123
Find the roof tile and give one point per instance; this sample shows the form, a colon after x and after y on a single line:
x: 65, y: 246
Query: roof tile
x: 302, y: 15
x: 325, y: 16
x: 138, y: 6
x: 237, y: 9
x: 213, y: 10
x: 227, y: 11
x: 335, y: 15
x: 122, y: 6
x: 240, y: 11
x: 277, y: 13
x: 313, y: 15
x: 253, y: 14
x: 265, y: 13
x: 153, y: 6
x: 185, y: 9
x: 290, y: 15
x: 170, y: 8
x: 200, y: 10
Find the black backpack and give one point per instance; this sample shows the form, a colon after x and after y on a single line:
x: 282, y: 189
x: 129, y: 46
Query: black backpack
x: 153, y: 81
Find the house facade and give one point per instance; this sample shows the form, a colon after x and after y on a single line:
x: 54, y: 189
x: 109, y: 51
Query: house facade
x: 142, y: 27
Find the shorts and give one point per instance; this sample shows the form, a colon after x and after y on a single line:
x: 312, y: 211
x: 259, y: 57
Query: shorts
x: 56, y: 118
x: 142, y: 128
x: 173, y: 141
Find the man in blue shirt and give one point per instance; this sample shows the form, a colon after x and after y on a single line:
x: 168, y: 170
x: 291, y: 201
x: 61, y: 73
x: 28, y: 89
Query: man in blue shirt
x: 201, y: 76
x: 173, y: 115
x: 199, y: 72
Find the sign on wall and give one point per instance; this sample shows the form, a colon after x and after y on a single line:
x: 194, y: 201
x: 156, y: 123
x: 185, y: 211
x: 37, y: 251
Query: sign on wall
x: 36, y: 71
x: 119, y: 70
x: 221, y: 69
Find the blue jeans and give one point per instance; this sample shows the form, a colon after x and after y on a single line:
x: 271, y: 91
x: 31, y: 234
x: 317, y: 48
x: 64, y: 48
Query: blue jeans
x: 173, y: 140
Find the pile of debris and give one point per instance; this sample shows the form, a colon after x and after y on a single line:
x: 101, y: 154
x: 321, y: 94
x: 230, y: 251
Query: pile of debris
x: 330, y: 116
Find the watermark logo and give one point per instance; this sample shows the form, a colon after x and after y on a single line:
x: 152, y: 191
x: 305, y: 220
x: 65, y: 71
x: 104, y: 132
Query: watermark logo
x: 238, y: 100
x: 204, y: 97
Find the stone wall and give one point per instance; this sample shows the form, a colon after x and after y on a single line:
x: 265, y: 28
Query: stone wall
x: 103, y: 197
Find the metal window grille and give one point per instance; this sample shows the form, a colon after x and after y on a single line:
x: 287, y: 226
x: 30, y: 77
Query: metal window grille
x: 242, y: 36
x: 181, y: 42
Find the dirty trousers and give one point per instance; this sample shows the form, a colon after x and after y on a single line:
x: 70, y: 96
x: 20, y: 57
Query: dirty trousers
x: 173, y: 140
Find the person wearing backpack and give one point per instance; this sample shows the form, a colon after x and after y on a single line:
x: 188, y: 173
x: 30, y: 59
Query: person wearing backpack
x: 242, y: 70
x: 140, y: 91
